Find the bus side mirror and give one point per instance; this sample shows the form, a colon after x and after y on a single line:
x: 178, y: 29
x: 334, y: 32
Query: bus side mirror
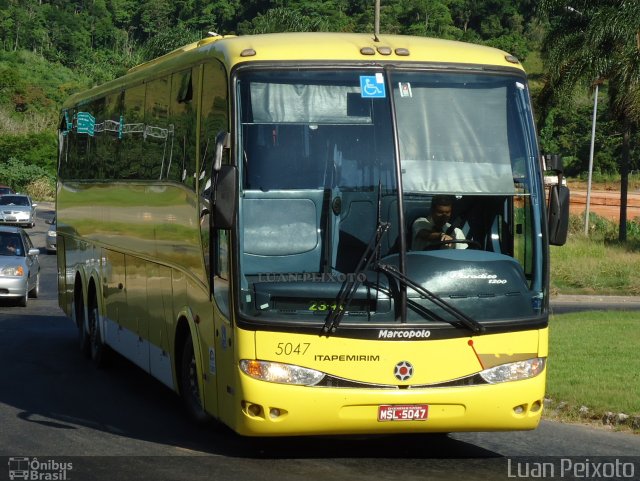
x: 558, y: 215
x: 554, y: 162
x: 225, y: 197
x: 558, y: 207
x: 222, y: 142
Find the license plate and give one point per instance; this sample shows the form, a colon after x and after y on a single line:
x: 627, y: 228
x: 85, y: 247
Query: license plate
x: 403, y: 412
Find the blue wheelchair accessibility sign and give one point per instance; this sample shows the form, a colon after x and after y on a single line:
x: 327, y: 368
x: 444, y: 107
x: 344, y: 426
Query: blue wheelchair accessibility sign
x: 372, y: 86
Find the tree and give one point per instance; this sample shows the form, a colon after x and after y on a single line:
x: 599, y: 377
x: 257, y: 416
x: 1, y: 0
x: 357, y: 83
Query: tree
x: 168, y: 40
x: 100, y: 26
x: 423, y: 18
x: 592, y: 41
x: 282, y: 20
x: 155, y: 16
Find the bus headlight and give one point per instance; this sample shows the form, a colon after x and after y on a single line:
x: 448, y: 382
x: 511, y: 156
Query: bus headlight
x: 514, y: 371
x: 280, y: 373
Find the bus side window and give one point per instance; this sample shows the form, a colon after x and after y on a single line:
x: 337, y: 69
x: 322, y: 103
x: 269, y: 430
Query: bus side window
x: 214, y: 120
x: 222, y: 259
x: 181, y: 164
x: 157, y: 132
x: 109, y: 143
x: 132, y: 134
x: 97, y: 142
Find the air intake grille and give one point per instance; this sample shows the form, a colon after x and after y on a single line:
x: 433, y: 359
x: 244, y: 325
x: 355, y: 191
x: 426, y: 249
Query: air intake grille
x: 337, y: 382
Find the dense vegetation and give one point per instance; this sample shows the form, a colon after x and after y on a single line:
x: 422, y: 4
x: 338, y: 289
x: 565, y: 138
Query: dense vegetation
x: 51, y: 48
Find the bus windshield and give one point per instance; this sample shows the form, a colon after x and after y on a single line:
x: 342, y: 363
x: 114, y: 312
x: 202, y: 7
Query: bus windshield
x: 320, y: 152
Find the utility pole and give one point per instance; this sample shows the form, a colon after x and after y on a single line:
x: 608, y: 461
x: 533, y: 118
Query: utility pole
x: 593, y: 140
x: 376, y: 21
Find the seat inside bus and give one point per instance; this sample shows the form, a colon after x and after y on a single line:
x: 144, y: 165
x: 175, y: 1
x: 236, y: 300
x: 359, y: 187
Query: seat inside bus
x: 282, y: 203
x: 281, y: 231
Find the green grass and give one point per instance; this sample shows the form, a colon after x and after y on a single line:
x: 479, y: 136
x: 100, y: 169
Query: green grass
x: 593, y: 356
x: 598, y: 264
x: 594, y: 361
x: 588, y: 266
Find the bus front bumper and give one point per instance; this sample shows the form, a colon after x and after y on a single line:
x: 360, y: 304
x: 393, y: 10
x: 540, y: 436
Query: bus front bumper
x: 267, y: 409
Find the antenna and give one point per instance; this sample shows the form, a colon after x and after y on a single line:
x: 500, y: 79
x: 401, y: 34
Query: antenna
x: 376, y: 22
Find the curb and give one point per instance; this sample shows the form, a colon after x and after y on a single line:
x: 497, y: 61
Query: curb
x: 594, y: 299
x: 564, y: 411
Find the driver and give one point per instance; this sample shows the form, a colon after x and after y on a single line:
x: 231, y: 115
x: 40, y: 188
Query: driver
x: 435, y: 231
x: 10, y: 248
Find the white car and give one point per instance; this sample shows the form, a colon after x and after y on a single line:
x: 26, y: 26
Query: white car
x: 19, y: 266
x: 17, y: 209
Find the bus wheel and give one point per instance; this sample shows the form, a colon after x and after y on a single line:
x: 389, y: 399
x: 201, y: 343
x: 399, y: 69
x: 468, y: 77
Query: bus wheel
x: 189, y: 385
x: 83, y: 337
x: 97, y: 347
x: 83, y: 334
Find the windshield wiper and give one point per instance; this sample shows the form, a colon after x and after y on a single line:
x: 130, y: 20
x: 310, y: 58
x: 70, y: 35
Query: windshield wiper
x: 350, y: 286
x: 460, y: 316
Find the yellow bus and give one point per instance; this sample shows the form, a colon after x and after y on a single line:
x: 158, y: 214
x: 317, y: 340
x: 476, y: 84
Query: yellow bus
x: 239, y: 219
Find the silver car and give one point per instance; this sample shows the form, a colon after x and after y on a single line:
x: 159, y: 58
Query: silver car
x: 17, y: 209
x: 51, y: 236
x: 19, y: 266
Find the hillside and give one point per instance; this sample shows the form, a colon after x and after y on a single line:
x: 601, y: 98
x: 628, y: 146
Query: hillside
x: 49, y: 50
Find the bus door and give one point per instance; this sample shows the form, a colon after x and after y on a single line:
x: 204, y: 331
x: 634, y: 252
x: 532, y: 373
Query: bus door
x: 213, y: 329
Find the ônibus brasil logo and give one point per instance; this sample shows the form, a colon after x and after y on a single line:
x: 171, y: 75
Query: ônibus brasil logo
x: 34, y: 469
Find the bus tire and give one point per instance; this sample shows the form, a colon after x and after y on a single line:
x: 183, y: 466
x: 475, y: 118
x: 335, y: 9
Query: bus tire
x: 189, y: 385
x: 98, y: 349
x: 83, y: 338
x: 83, y: 334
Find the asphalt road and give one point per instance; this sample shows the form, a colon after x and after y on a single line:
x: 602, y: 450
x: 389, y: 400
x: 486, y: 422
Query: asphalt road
x: 64, y: 416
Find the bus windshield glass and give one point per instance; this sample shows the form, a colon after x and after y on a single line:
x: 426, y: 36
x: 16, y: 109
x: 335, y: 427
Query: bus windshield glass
x: 319, y: 153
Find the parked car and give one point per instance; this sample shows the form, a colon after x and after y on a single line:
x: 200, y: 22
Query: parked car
x: 19, y: 265
x: 5, y: 189
x: 51, y: 236
x: 17, y: 209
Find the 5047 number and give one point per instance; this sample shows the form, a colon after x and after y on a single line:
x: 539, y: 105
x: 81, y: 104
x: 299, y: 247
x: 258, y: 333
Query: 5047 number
x: 289, y: 348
